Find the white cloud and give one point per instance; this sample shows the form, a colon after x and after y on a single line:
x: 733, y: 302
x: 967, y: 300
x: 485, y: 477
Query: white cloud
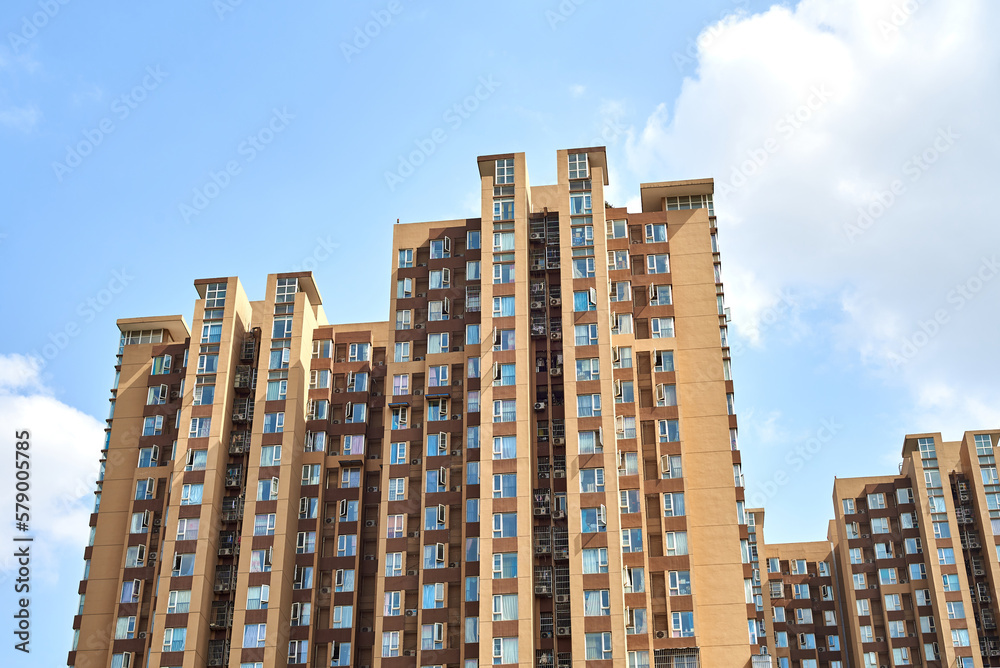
x: 23, y: 118
x: 63, y: 455
x: 808, y: 118
x: 577, y: 90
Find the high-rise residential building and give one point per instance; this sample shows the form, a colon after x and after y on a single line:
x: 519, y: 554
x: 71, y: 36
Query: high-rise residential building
x: 908, y: 573
x: 919, y: 554
x: 533, y: 462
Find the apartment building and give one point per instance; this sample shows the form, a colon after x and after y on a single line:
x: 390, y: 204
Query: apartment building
x: 919, y: 555
x: 908, y: 573
x: 533, y: 462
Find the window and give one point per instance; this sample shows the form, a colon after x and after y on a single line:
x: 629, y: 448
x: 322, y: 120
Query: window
x: 592, y: 480
x: 596, y: 603
x: 621, y: 291
x: 260, y: 561
x: 661, y: 328
x: 433, y: 596
x: 676, y: 543
x: 595, y: 560
x: 161, y: 365
x: 191, y: 494
x: 504, y: 485
x: 682, y: 624
x: 578, y: 170
x: 437, y: 343
x: 173, y: 639
x: 149, y: 457
x: 179, y: 600
x: 585, y: 335
x: 616, y: 229
x: 660, y: 295
x: 257, y: 597
x: 347, y: 545
x: 504, y: 651
x: 183, y: 565
x: 584, y: 268
x: 597, y: 646
x: 503, y: 307
x: 949, y: 582
x: 504, y: 525
x: 505, y: 565
x: 629, y: 501
x: 305, y: 542
x: 893, y: 602
x: 679, y: 583
x: 504, y: 411
x: 588, y: 405
x: 503, y: 208
x: 274, y: 423
x: 270, y: 455
x: 956, y: 609
x: 880, y: 525
x: 594, y: 520
x: 152, y: 425
x: 658, y: 263
x: 656, y: 232
x: 633, y: 580
x: 673, y: 504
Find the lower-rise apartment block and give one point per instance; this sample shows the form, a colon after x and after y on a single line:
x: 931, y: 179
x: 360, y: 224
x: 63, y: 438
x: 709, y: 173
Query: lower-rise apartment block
x: 533, y: 462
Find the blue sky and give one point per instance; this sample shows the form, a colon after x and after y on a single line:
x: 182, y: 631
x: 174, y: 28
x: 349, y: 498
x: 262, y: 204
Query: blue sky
x: 852, y: 144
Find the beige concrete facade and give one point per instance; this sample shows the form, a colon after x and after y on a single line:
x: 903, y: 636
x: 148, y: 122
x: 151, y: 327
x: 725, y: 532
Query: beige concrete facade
x: 532, y: 463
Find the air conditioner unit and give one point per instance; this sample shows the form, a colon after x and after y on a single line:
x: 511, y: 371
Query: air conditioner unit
x: 418, y: 391
x: 366, y: 629
x: 370, y: 557
x: 562, y: 598
x: 558, y: 514
x: 225, y: 551
x: 555, y: 301
x: 979, y: 571
x: 372, y: 456
x: 415, y: 461
x: 335, y: 421
x: 555, y: 337
x: 539, y: 405
x: 324, y: 590
x: 661, y: 634
x: 329, y: 520
x: 411, y: 612
x: 864, y: 535
x: 157, y: 522
x: 418, y: 359
x: 373, y: 489
x: 536, y: 236
x: 879, y: 639
x: 562, y: 630
x: 337, y: 390
x: 412, y: 572
x: 456, y: 453
x: 546, y: 634
x: 341, y: 359
x: 558, y: 473
x: 453, y: 564
x: 369, y: 523
x: 409, y: 652
x: 413, y: 534
x: 558, y: 441
x: 152, y: 556
x: 418, y: 326
x: 539, y: 511
x: 174, y: 394
x: 380, y: 363
x: 141, y: 634
x: 456, y: 488
x: 421, y: 294
x: 561, y: 555
x: 542, y: 590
